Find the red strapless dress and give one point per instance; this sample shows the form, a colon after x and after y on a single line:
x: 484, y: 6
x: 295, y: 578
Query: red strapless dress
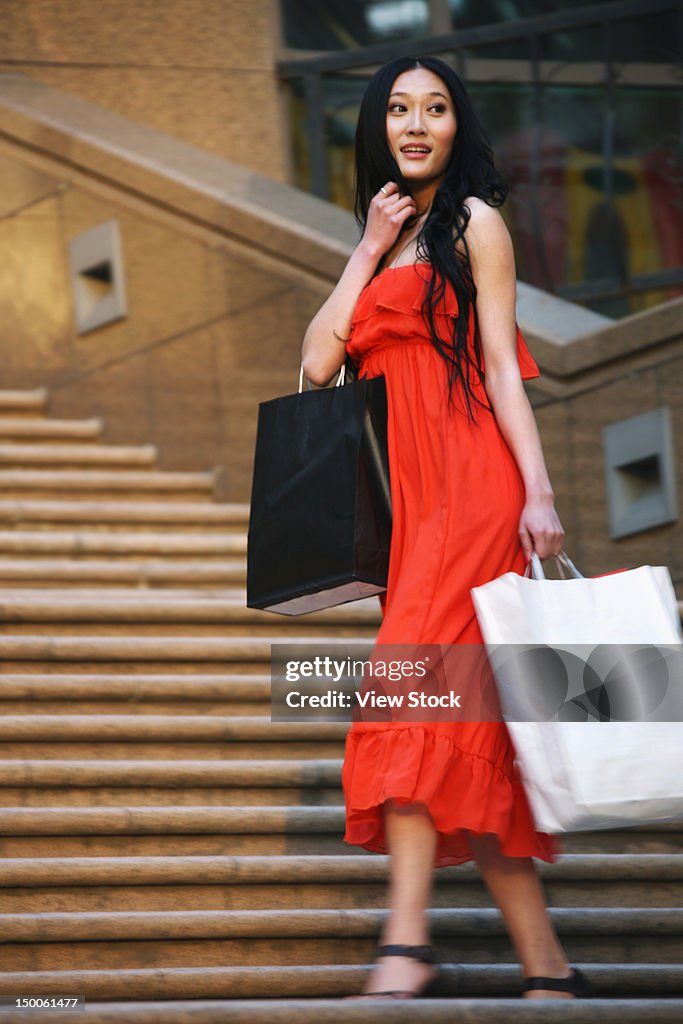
x: 457, y: 496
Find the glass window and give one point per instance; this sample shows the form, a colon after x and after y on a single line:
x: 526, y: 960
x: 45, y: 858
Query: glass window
x: 596, y: 204
x: 468, y: 13
x: 342, y: 95
x: 594, y: 167
x: 653, y: 38
x: 347, y: 24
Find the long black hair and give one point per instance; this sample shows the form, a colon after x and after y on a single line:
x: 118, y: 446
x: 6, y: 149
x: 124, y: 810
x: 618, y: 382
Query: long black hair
x: 470, y: 172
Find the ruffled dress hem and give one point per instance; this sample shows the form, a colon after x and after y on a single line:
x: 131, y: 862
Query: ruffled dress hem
x: 463, y: 793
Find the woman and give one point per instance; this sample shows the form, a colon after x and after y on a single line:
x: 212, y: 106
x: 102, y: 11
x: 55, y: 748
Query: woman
x: 427, y: 299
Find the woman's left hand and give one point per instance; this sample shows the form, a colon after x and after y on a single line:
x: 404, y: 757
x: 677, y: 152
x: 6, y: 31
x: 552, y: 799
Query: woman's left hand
x: 540, y: 529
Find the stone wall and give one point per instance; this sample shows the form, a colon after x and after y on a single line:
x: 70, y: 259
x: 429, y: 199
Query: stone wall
x: 200, y: 70
x: 220, y: 284
x: 208, y: 334
x: 571, y: 432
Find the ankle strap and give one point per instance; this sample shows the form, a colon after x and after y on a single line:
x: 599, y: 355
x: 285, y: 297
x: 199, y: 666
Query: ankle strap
x: 551, y: 984
x: 577, y: 984
x: 425, y: 954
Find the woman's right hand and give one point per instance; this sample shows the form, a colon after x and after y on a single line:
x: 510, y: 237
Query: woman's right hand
x: 387, y: 214
x: 324, y: 342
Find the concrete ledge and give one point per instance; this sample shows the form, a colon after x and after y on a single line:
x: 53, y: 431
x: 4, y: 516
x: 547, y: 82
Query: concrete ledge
x: 632, y: 338
x: 555, y: 319
x: 228, y: 199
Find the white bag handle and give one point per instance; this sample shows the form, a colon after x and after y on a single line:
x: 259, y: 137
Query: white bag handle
x: 340, y: 378
x: 563, y: 561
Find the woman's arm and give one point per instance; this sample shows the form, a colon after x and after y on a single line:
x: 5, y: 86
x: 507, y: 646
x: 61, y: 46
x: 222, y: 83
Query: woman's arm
x: 323, y: 348
x: 493, y: 269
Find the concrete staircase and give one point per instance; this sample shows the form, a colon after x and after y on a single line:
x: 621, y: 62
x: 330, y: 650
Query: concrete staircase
x: 172, y: 855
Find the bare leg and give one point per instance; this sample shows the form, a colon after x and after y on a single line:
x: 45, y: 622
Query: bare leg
x: 411, y: 839
x: 514, y: 884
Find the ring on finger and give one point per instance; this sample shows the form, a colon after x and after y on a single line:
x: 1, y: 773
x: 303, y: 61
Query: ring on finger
x: 383, y: 190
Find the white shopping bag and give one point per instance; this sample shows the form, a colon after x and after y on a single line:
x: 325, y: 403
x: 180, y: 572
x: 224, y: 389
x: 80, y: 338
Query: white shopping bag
x: 590, y: 774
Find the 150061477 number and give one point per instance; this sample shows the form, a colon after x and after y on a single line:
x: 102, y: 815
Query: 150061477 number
x: 38, y: 1002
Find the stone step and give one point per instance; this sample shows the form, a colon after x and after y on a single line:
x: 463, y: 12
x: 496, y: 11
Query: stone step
x: 25, y: 403
x: 144, y: 883
x: 263, y: 830
x: 204, y: 830
x: 91, y: 543
x: 251, y: 704
x: 165, y: 820
x: 266, y: 749
x: 155, y: 782
x: 195, y: 774
x: 329, y: 981
x: 50, y: 872
x: 234, y: 649
x: 73, y: 602
x: 107, y: 939
x: 75, y: 456
x: 170, y: 844
x: 184, y: 794
x: 110, y: 484
x: 608, y: 980
x: 141, y: 694
x: 321, y: 1011
x: 167, y: 737
x: 135, y: 728
x: 19, y: 428
x: 125, y: 515
x: 218, y: 613
x: 238, y: 624
x: 152, y: 573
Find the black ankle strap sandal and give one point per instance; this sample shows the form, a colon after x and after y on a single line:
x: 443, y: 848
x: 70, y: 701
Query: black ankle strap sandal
x: 577, y: 984
x: 425, y: 955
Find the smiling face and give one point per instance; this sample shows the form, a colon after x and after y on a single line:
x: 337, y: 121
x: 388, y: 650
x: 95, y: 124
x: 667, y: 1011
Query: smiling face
x: 421, y: 126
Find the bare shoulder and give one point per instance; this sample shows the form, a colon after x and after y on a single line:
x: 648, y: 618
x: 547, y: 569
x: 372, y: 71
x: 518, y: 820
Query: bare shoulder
x: 486, y: 230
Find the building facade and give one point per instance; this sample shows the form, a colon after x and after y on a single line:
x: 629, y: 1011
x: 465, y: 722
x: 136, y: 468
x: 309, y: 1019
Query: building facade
x: 209, y: 145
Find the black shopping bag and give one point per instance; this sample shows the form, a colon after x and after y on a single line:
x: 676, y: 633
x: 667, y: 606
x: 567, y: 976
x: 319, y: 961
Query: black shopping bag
x: 320, y: 517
